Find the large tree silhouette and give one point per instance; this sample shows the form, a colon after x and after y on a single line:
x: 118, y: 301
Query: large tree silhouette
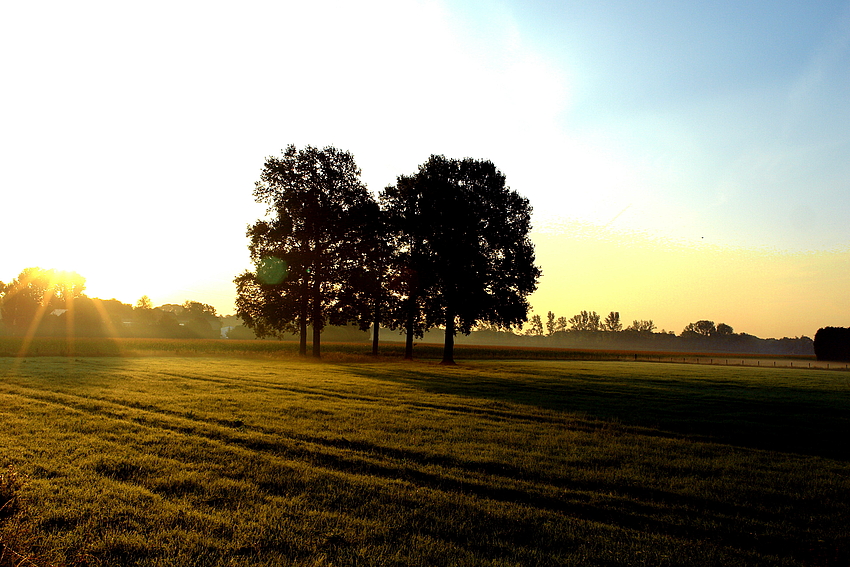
x: 410, y: 258
x: 468, y: 255
x: 308, y: 248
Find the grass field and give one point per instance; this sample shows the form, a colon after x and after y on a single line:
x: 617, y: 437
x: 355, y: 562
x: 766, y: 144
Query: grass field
x: 260, y: 460
x: 44, y: 346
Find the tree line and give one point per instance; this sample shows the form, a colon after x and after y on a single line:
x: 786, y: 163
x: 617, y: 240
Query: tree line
x: 446, y: 246
x: 591, y: 321
x: 585, y: 321
x: 47, y: 302
x: 52, y: 303
x: 587, y: 329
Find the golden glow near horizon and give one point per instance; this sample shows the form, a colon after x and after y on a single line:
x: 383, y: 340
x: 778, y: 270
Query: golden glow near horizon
x: 759, y: 292
x: 585, y: 267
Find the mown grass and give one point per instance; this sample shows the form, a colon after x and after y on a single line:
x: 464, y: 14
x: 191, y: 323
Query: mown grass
x: 277, y: 461
x: 88, y: 346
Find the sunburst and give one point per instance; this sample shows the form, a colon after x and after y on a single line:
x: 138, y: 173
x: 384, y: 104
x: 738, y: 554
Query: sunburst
x: 46, y: 286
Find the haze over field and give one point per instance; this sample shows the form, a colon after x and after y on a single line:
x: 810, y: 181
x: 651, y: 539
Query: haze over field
x: 685, y: 161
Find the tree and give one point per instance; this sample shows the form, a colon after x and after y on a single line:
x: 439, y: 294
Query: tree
x: 584, y: 321
x: 368, y: 292
x: 832, y: 343
x: 306, y: 250
x: 561, y: 324
x: 196, y: 308
x: 200, y: 320
x: 642, y: 326
x: 144, y: 302
x: 550, y: 323
x: 34, y: 293
x: 536, y: 328
x: 612, y: 322
x: 725, y: 330
x: 466, y: 247
x: 411, y: 257
x: 702, y: 328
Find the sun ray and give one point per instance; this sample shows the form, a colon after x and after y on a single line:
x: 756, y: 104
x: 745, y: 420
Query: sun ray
x: 70, y: 329
x: 49, y: 288
x: 111, y: 331
x: 39, y: 313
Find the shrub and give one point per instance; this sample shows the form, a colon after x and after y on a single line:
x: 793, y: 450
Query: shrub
x: 832, y: 343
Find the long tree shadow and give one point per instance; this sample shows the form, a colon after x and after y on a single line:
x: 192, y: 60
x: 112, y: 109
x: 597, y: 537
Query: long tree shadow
x: 795, y: 419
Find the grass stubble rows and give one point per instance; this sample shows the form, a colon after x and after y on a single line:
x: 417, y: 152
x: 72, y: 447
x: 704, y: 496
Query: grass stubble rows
x: 227, y: 460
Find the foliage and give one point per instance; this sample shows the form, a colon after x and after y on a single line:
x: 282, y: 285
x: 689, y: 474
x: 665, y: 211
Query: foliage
x: 35, y: 293
x: 724, y: 330
x: 536, y: 327
x: 584, y: 321
x: 612, y: 323
x: 310, y: 247
x: 226, y: 461
x: 465, y: 244
x: 550, y: 323
x: 409, y: 258
x: 642, y: 326
x: 703, y: 328
x: 832, y: 343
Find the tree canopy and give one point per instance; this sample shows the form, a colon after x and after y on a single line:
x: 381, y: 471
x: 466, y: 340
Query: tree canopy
x: 465, y: 245
x: 308, y: 249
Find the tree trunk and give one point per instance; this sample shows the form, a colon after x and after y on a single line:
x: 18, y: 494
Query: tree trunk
x: 316, y: 319
x: 302, y: 323
x: 449, y: 345
x: 317, y: 341
x: 376, y: 328
x: 408, y: 328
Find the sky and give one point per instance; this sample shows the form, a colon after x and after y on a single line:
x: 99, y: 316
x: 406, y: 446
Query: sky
x: 685, y: 160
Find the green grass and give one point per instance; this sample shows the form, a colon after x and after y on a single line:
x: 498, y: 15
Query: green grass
x: 87, y: 346
x: 270, y: 460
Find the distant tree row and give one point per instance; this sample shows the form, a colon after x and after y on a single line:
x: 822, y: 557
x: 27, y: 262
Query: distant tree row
x: 587, y: 329
x: 445, y: 247
x: 585, y: 321
x: 45, y: 302
x: 591, y: 321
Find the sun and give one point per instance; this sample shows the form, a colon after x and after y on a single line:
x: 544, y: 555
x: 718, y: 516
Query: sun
x: 38, y: 293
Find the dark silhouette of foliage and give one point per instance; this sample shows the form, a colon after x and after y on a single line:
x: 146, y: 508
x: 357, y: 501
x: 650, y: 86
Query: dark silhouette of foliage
x: 368, y: 292
x: 535, y: 328
x: 642, y: 326
x: 409, y: 261
x: 724, y: 330
x: 584, y: 321
x: 833, y: 343
x: 612, y: 322
x: 309, y: 248
x: 550, y: 323
x: 702, y: 328
x: 466, y: 247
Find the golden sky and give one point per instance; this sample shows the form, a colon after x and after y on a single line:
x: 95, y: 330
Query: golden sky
x: 760, y: 292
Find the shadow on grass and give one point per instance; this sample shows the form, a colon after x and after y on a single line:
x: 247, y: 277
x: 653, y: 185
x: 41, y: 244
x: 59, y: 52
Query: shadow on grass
x: 708, y: 403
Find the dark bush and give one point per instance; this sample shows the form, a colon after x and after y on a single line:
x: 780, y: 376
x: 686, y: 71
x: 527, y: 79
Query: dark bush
x: 833, y: 343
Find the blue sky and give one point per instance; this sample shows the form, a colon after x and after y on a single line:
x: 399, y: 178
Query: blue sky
x: 736, y: 116
x: 694, y: 155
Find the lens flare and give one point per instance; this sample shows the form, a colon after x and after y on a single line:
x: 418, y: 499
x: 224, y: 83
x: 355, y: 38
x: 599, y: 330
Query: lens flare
x: 272, y: 270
